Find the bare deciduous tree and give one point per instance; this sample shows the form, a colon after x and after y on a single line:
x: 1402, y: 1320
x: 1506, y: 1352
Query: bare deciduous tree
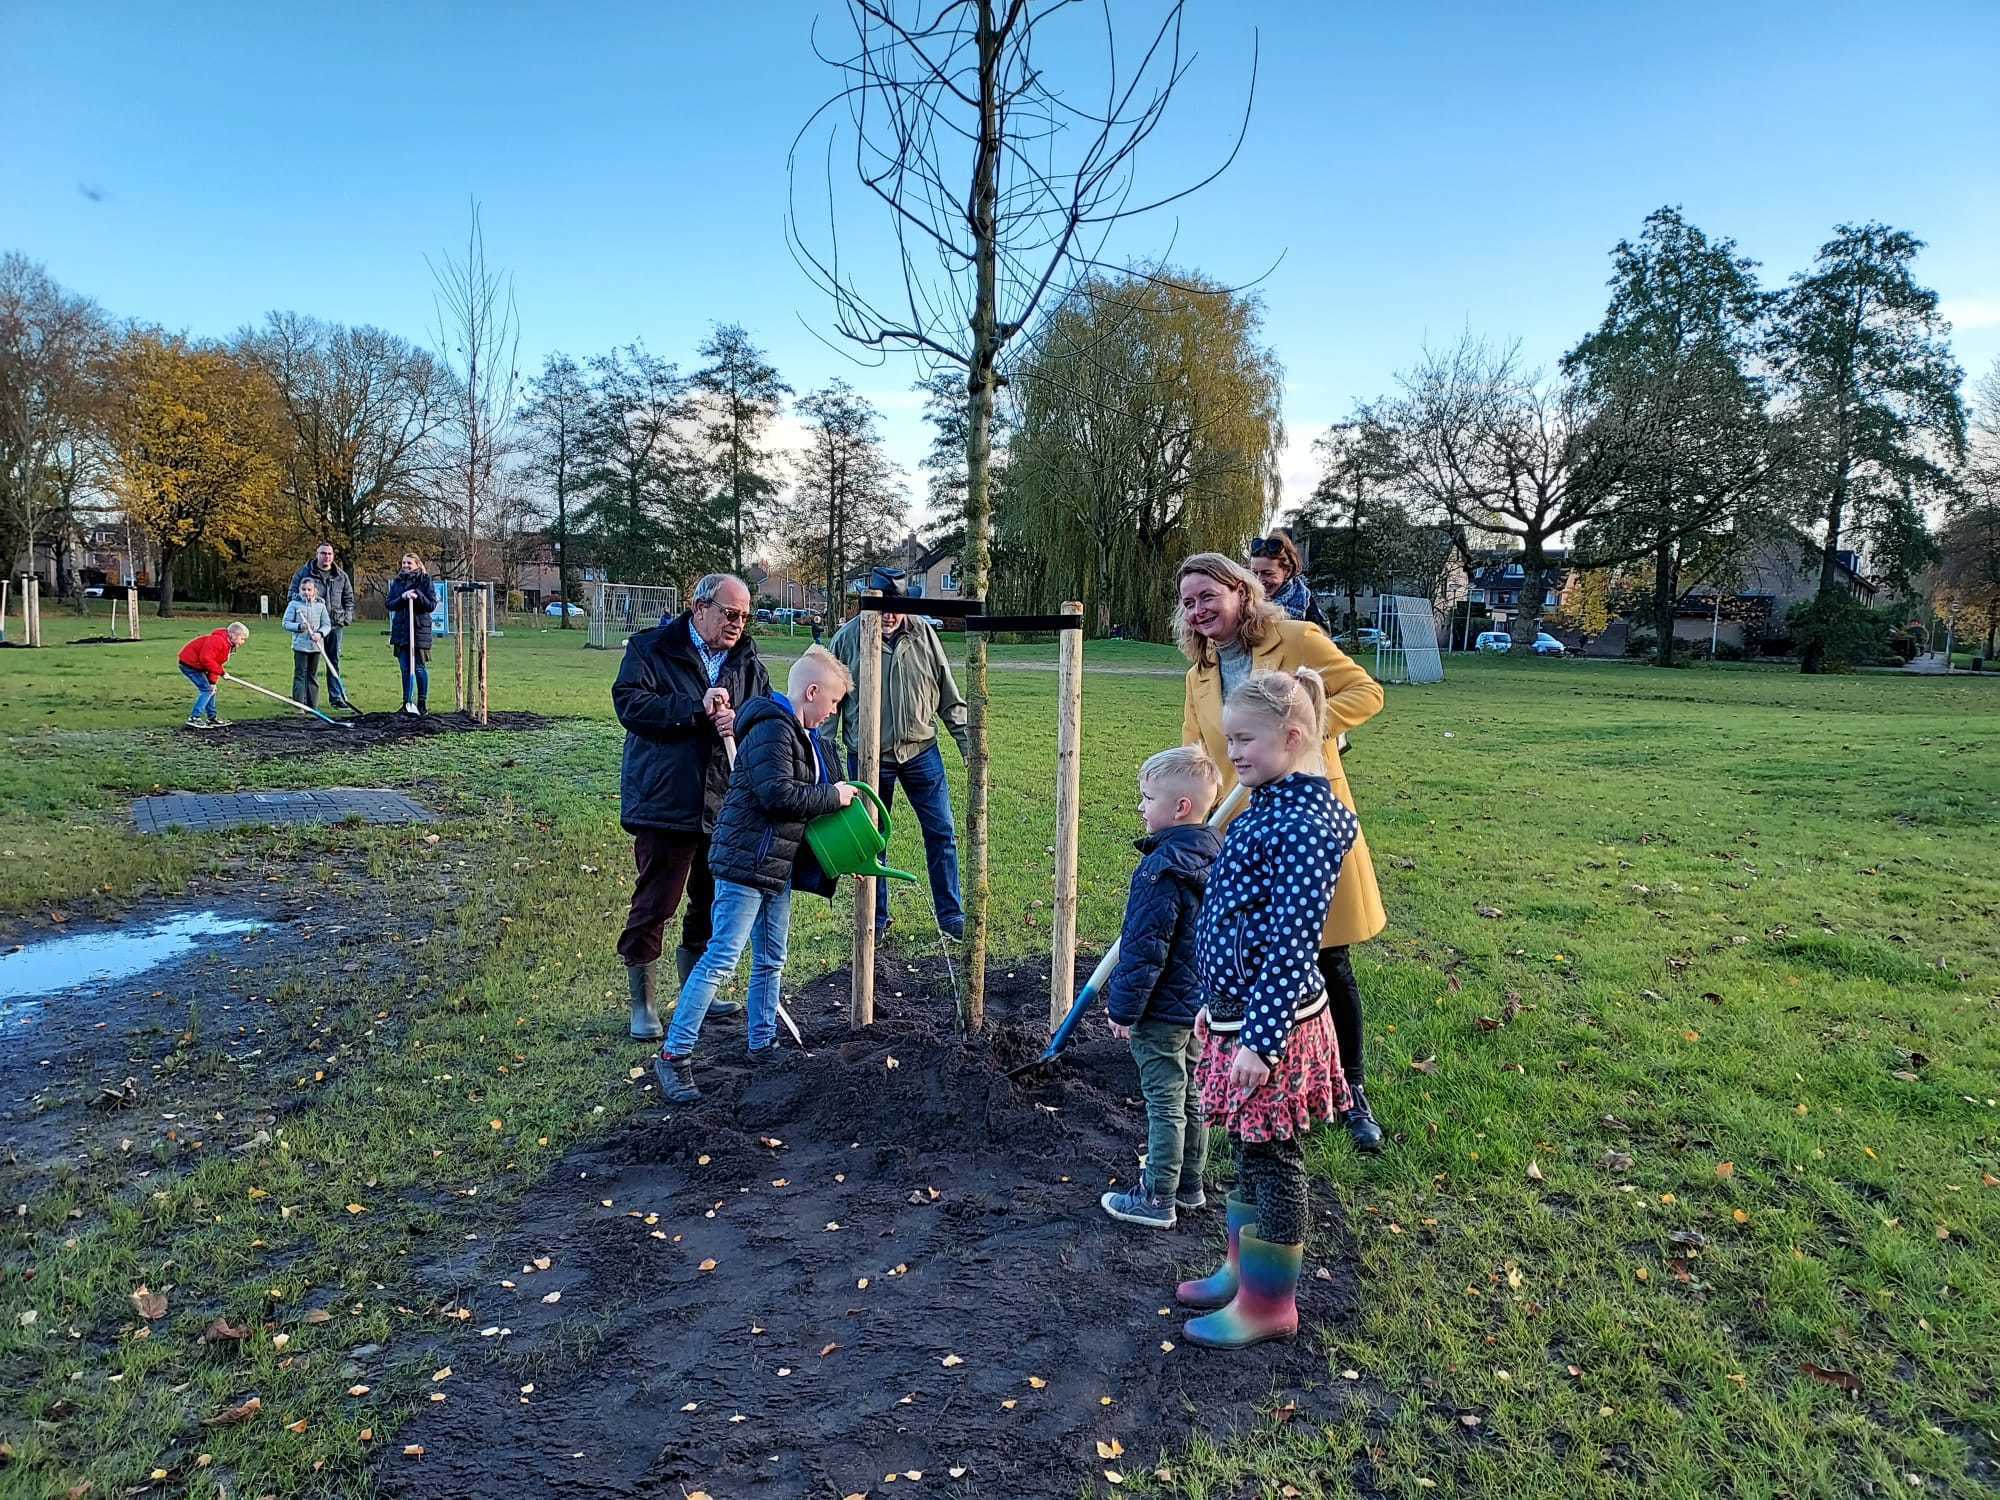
x: 1001, y: 188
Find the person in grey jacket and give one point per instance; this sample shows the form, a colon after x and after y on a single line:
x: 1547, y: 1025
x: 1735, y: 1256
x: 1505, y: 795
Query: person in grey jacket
x: 917, y: 692
x: 336, y: 593
x: 306, y: 618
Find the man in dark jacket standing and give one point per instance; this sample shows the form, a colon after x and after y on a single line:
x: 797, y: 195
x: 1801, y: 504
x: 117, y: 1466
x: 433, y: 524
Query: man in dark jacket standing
x: 677, y: 695
x: 1153, y: 995
x: 336, y: 592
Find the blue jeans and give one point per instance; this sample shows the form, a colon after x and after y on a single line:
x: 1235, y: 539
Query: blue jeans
x: 930, y: 795
x: 742, y: 917
x: 204, y: 692
x: 417, y: 681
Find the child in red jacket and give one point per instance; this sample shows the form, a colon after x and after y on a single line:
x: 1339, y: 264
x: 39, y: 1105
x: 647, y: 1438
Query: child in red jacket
x: 203, y: 660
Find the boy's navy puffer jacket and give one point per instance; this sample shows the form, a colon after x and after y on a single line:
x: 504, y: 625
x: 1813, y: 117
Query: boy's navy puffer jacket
x: 775, y: 790
x: 1155, y: 978
x: 1257, y: 941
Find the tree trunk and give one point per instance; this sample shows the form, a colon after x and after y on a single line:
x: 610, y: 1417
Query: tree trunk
x: 1527, y: 621
x: 1813, y: 659
x: 168, y: 554
x: 979, y: 504
x: 1665, y: 592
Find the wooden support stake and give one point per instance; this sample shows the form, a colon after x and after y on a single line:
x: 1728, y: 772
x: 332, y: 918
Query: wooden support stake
x: 485, y: 615
x: 868, y: 771
x: 6, y: 589
x: 131, y: 613
x: 1069, y: 762
x: 458, y: 647
x: 34, y: 611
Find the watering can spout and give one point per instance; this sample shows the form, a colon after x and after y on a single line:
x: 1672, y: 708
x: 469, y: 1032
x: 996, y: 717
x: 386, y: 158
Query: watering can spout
x: 852, y: 840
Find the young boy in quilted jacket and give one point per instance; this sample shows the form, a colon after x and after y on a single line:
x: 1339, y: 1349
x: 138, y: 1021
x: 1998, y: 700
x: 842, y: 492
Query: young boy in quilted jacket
x: 779, y: 784
x: 1153, y: 994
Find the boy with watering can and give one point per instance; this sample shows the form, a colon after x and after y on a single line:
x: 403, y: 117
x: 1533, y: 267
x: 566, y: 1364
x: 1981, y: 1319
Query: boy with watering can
x: 780, y: 783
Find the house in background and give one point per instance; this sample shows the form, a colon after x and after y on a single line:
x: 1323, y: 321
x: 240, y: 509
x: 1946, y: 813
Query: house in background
x: 1751, y: 608
x: 788, y: 591
x: 927, y: 572
x: 537, y: 580
x: 1496, y: 577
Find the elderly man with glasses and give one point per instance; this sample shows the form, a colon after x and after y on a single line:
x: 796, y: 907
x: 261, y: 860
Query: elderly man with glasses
x: 677, y: 695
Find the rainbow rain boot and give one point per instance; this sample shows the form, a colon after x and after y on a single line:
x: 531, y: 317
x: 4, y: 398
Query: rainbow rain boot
x: 1219, y: 1289
x: 1266, y: 1305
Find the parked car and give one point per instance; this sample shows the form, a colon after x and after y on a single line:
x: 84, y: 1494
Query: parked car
x: 1493, y: 640
x: 95, y: 591
x: 1547, y: 645
x: 1367, y: 635
x: 556, y: 607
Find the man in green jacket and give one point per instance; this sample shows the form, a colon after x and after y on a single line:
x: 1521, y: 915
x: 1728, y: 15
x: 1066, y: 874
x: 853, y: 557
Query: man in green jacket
x: 918, y: 691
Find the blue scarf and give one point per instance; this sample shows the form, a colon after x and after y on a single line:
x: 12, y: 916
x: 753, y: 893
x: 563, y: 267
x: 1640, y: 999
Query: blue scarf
x: 1293, y: 598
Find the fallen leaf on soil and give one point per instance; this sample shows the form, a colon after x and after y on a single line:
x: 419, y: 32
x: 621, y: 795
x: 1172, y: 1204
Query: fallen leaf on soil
x: 1112, y: 1449
x: 1166, y: 1346
x: 890, y: 1062
x: 707, y: 1265
x: 553, y: 1297
x: 1037, y: 1382
x: 951, y: 1360
x: 1468, y: 1419
x: 367, y: 1434
x: 321, y: 1315
x: 1423, y: 1065
x: 832, y: 1225
x: 861, y: 1285
x: 769, y: 1140
x: 279, y: 1340
x: 1008, y: 1405
x: 357, y: 1390
x: 1741, y: 1216
x: 957, y: 1471
x: 784, y: 1370
x: 1491, y: 913
x: 356, y: 1208
x: 701, y: 1161
x: 1725, y: 1169
x: 223, y: 1331
x: 739, y: 1417
x: 1838, y: 1378
x: 1105, y: 1401
x: 229, y: 1416
x: 1112, y: 1476
x: 828, y: 1350
x: 1535, y: 1171
x: 1642, y: 1274
x: 296, y: 1427
x: 443, y: 1374
x: 1615, y: 1161
x: 413, y: 1450
x: 150, y: 1304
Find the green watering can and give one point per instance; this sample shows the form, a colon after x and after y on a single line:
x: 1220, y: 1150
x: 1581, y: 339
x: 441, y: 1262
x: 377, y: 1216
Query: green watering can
x: 848, y: 842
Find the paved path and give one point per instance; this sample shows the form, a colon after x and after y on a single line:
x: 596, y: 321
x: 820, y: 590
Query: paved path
x: 200, y: 810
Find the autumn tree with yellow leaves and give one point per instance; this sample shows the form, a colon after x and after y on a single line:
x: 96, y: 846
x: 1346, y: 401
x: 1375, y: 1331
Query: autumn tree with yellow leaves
x: 195, y: 439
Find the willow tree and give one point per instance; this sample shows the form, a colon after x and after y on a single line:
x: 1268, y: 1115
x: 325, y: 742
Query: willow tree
x: 1001, y: 145
x: 1149, y: 428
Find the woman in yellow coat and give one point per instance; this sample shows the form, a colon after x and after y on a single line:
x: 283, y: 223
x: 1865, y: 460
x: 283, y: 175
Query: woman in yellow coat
x: 1228, y: 629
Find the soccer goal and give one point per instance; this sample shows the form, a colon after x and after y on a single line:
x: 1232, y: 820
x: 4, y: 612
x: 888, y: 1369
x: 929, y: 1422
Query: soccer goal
x: 1408, y: 648
x: 620, y: 610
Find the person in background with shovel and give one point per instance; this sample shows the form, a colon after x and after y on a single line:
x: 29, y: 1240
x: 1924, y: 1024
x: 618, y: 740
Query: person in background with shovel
x: 678, y: 691
x: 336, y: 593
x: 412, y: 601
x: 308, y: 622
x: 203, y: 661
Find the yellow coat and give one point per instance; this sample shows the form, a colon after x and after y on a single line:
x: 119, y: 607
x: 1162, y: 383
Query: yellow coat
x: 1352, y: 698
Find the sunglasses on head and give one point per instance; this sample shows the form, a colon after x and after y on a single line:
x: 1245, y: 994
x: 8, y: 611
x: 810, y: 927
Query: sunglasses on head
x: 1267, y: 546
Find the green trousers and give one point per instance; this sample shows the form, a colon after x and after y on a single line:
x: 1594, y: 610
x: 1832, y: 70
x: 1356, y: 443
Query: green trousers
x: 1176, y: 1130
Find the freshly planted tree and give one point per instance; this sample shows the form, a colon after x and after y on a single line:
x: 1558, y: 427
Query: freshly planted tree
x: 743, y: 396
x: 196, y: 438
x: 1001, y: 187
x: 1866, y: 367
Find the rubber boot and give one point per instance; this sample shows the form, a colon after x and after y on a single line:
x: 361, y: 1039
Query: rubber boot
x: 1218, y: 1289
x: 423, y: 702
x: 1267, y: 1298
x: 684, y: 961
x: 645, y: 1015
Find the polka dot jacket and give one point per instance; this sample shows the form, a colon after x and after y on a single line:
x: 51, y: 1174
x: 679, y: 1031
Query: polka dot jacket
x: 1257, y: 938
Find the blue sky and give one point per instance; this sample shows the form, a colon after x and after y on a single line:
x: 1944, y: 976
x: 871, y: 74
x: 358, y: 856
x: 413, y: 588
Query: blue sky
x: 1412, y: 169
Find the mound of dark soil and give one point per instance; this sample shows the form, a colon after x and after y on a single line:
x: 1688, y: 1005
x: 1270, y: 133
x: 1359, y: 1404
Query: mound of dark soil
x: 297, y: 734
x: 102, y: 640
x: 875, y: 1256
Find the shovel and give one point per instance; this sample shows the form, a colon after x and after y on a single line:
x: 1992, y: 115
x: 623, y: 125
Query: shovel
x: 729, y: 750
x: 240, y: 682
x: 1106, y: 964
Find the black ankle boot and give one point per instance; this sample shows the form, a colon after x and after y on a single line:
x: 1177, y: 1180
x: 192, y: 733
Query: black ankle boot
x: 1360, y: 1121
x: 675, y: 1076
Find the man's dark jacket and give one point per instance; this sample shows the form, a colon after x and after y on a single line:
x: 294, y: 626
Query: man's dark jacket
x: 675, y: 773
x: 1154, y: 979
x: 775, y: 791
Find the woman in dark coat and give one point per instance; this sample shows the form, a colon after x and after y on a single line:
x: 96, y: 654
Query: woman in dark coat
x: 412, y: 598
x: 1276, y: 562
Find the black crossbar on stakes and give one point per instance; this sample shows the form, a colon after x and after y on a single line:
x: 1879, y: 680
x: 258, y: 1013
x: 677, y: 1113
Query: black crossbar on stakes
x: 936, y: 609
x: 993, y: 624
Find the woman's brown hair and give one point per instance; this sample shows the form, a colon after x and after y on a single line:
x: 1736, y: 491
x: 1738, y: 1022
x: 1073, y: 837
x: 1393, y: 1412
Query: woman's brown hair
x: 1260, y: 616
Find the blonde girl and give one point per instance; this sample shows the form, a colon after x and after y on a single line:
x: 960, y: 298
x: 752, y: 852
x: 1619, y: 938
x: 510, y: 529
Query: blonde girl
x: 1269, y: 1066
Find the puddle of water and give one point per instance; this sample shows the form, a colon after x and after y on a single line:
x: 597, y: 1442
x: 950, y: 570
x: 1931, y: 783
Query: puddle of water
x: 57, y: 964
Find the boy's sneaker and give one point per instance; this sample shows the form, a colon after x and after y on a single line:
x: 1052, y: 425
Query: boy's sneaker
x: 676, y: 1079
x: 195, y: 721
x: 1139, y: 1207
x: 217, y: 723
x: 1187, y: 1200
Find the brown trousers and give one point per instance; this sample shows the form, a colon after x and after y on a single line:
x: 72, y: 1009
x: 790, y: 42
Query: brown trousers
x: 671, y: 865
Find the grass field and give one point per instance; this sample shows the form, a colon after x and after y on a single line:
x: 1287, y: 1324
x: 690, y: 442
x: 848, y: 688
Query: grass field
x: 1687, y: 1028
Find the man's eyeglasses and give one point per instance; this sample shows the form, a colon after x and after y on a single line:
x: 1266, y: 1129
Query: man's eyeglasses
x: 733, y: 616
x: 1267, y: 546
